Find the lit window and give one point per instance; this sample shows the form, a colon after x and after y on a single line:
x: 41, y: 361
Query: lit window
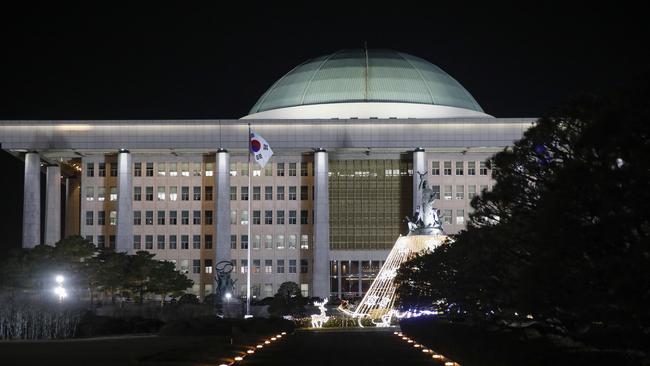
x: 448, y: 194
x: 268, y: 170
x: 208, y: 265
x: 173, y: 193
x: 185, y: 169
x: 256, y: 172
x: 162, y: 169
x: 446, y: 216
x: 268, y: 241
x: 90, y: 193
x: 209, y: 169
x: 148, y: 217
x: 173, y: 170
x: 244, y: 266
x: 196, y: 170
x: 279, y: 241
x: 257, y: 240
x: 233, y: 217
x: 113, y: 217
x: 161, y: 193
x: 233, y: 169
x: 268, y: 266
x: 304, y: 242
x: 292, y: 242
x: 244, y: 170
x: 256, y: 265
x: 268, y: 289
x: 304, y: 289
x: 460, y: 192
x: 113, y: 196
x: 244, y: 217
x: 471, y: 191
x: 460, y: 217
x: 101, y: 193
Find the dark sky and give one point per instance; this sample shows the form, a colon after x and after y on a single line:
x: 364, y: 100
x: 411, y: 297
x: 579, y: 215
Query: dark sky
x: 121, y: 62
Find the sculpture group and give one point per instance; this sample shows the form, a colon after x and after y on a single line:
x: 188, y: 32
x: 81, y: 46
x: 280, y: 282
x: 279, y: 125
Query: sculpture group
x: 425, y: 221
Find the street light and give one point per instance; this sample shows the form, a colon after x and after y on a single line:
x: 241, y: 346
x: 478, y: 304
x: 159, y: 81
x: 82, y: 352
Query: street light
x: 59, y: 290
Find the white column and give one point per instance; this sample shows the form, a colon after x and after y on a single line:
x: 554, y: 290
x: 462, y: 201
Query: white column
x: 222, y: 209
x: 53, y: 205
x: 419, y: 165
x: 124, y: 239
x: 321, y: 286
x: 32, y: 201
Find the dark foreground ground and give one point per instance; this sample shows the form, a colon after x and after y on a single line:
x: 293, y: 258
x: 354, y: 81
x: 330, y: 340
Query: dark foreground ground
x: 337, y: 347
x: 116, y: 351
x: 308, y: 347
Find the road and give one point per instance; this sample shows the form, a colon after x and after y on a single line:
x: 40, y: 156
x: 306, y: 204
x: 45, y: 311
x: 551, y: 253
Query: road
x: 339, y: 347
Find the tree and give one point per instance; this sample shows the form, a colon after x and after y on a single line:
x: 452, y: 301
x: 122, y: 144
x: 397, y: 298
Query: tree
x: 565, y: 232
x: 165, y: 279
x: 288, y: 300
x: 139, y: 270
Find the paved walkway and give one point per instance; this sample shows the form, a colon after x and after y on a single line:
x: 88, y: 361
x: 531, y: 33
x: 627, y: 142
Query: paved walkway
x: 338, y: 347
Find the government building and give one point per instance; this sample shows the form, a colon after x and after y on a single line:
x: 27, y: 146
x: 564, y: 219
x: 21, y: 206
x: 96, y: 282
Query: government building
x: 348, y: 130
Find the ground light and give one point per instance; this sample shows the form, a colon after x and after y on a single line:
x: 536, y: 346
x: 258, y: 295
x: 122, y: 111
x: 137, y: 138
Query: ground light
x: 434, y: 355
x: 251, y: 350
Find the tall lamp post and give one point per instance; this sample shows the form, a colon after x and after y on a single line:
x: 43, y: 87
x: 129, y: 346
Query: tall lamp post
x: 59, y: 290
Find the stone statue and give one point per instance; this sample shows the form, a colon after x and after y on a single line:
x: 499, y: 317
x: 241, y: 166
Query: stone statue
x: 425, y: 221
x: 225, y: 284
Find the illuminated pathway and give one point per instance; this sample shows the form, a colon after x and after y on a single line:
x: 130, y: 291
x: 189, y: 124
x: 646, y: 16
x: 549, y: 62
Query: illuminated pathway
x: 338, y: 347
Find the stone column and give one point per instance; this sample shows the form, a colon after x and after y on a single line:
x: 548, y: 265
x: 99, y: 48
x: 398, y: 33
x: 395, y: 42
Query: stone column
x: 419, y: 165
x: 124, y: 239
x: 53, y: 205
x: 321, y: 225
x: 32, y: 201
x: 222, y: 208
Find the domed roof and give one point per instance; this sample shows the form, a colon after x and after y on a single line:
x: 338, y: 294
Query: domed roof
x: 366, y: 76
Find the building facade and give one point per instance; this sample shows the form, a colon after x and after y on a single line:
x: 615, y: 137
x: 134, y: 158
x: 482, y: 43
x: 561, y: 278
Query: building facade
x: 348, y: 131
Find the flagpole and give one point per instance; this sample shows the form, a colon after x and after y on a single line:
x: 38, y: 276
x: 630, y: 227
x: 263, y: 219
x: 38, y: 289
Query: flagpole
x: 250, y: 216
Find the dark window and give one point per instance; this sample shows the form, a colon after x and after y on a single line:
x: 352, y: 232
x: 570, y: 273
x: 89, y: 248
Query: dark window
x: 208, y: 241
x: 196, y: 217
x: 173, y: 217
x: 256, y: 217
x: 197, y: 193
x: 208, y: 217
x: 196, y: 241
x: 90, y: 169
x: 268, y: 217
x: 185, y: 193
x: 244, y: 242
x: 304, y: 219
x: 148, y: 218
x: 304, y: 193
x: 279, y: 217
x: 161, y: 242
x: 101, y: 172
x: 185, y: 242
x: 137, y: 169
x: 208, y: 193
x: 161, y: 217
x: 149, y: 169
x: 172, y: 242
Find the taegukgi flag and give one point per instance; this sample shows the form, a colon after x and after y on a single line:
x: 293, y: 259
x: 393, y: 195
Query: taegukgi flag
x: 260, y: 149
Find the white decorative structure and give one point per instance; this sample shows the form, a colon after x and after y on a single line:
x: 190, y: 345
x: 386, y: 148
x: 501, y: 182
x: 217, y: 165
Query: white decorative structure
x: 317, y: 320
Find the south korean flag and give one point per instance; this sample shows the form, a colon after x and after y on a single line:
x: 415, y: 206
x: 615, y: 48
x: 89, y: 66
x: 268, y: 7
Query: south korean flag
x: 260, y: 149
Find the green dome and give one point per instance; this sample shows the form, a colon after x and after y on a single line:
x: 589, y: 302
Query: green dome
x: 366, y: 76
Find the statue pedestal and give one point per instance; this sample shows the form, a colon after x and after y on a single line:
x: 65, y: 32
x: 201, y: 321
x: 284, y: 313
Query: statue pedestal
x: 232, y: 308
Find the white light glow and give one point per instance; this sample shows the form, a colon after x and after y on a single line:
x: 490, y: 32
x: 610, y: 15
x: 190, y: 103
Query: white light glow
x: 59, y: 279
x: 317, y: 320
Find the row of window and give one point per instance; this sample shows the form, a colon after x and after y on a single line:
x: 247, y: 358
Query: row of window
x: 268, y: 266
x: 163, y: 193
x: 162, y: 169
x: 268, y: 217
x: 270, y: 242
x: 459, y: 168
x: 242, y: 169
x: 268, y: 193
x: 459, y: 190
x: 197, y: 218
x: 172, y: 241
x: 195, y: 169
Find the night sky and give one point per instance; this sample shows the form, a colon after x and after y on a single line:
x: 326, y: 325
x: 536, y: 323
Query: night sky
x: 193, y: 62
